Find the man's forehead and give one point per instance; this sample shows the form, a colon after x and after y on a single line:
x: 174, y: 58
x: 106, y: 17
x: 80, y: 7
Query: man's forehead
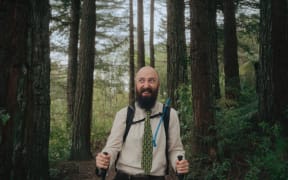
x: 146, y: 72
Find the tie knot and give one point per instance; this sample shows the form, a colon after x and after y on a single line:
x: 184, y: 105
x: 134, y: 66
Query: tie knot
x: 148, y: 112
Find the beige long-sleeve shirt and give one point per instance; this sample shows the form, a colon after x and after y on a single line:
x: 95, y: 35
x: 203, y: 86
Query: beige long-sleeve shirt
x: 131, y: 151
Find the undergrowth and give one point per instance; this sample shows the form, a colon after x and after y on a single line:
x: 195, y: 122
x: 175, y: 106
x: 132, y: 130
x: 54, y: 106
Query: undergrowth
x: 247, y: 148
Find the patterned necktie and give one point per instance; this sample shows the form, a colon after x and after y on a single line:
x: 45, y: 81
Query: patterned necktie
x: 147, y: 145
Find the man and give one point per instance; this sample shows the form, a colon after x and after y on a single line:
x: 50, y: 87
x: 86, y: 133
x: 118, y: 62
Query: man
x: 131, y: 164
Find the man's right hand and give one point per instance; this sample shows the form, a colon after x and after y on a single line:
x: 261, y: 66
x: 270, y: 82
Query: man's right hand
x: 103, y: 161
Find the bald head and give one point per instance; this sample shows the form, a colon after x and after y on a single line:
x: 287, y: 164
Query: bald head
x: 147, y: 72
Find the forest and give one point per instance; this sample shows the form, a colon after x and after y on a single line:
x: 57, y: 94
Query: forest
x: 67, y: 67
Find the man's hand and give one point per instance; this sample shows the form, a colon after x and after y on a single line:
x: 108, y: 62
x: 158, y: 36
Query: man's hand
x: 103, y: 161
x: 182, y: 166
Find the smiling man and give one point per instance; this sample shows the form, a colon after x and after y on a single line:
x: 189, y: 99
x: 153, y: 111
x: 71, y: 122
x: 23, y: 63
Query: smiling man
x: 147, y: 85
x: 138, y: 157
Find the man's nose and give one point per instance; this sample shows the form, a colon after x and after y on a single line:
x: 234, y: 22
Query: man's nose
x: 146, y: 84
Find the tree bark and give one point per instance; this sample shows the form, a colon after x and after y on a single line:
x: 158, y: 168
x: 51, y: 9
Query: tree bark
x: 273, y: 87
x: 72, y: 57
x: 39, y: 85
x: 176, y: 48
x: 202, y: 90
x: 80, y: 149
x: 231, y: 66
x: 131, y: 56
x: 24, y: 91
x: 152, y: 51
x: 213, y: 49
x: 140, y: 36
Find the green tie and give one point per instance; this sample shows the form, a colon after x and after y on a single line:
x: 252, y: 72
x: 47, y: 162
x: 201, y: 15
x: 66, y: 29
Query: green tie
x: 147, y: 145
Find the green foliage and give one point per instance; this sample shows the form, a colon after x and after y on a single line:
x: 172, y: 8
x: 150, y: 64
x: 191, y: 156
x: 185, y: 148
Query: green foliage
x: 4, y: 116
x: 105, y: 105
x: 219, y: 170
x: 185, y: 116
x: 60, y: 140
x: 270, y: 158
x: 248, y: 148
x: 234, y: 136
x: 108, y: 97
x: 223, y: 102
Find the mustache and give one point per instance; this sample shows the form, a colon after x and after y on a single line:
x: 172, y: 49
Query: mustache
x: 146, y: 90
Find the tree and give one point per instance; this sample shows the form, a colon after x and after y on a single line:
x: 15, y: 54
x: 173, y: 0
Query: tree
x: 151, y: 37
x: 273, y: 97
x: 80, y: 149
x: 24, y: 91
x: 109, y: 24
x: 140, y: 36
x: 72, y: 56
x: 231, y: 67
x: 213, y: 48
x: 131, y: 56
x: 176, y: 48
x: 202, y: 91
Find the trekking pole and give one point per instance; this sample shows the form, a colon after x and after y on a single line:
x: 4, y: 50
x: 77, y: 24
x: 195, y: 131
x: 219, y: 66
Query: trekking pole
x: 103, y: 171
x: 180, y: 176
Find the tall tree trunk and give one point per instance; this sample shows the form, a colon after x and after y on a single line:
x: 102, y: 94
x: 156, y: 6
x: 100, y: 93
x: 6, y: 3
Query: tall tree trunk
x: 152, y: 51
x: 80, y: 149
x: 37, y: 140
x: 72, y: 57
x: 140, y: 36
x: 273, y: 97
x: 12, y: 71
x: 213, y: 49
x: 24, y: 90
x: 131, y: 57
x: 231, y: 66
x: 176, y: 48
x: 202, y: 90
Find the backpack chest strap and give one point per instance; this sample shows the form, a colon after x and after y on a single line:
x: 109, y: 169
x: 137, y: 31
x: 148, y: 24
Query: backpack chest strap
x: 151, y: 117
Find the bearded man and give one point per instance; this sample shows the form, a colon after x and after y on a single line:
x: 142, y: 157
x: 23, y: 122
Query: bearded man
x: 132, y: 159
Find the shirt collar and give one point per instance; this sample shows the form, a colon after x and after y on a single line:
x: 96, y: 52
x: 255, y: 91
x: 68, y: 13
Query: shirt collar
x: 141, y: 113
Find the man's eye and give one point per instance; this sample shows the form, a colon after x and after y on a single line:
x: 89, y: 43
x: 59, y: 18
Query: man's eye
x: 151, y: 81
x: 141, y: 80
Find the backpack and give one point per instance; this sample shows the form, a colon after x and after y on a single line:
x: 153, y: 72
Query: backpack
x: 165, y: 118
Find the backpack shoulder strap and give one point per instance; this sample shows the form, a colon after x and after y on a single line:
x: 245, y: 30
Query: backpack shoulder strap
x: 129, y: 121
x: 166, y: 119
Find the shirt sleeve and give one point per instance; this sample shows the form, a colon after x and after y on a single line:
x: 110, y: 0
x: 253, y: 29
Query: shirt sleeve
x: 114, y: 142
x: 175, y: 144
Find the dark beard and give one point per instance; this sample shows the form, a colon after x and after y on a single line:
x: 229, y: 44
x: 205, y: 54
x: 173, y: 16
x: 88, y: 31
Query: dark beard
x: 146, y: 102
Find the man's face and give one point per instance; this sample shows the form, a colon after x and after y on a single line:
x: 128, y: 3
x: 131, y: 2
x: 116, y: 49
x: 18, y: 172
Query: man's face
x: 147, y: 85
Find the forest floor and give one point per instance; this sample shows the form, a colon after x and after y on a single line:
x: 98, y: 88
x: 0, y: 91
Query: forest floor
x: 76, y: 170
x: 82, y: 170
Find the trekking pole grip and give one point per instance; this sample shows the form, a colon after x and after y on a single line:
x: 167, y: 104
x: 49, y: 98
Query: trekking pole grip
x: 104, y: 171
x: 180, y: 176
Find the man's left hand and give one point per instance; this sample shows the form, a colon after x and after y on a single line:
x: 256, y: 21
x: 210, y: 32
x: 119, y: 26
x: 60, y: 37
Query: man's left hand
x: 182, y: 167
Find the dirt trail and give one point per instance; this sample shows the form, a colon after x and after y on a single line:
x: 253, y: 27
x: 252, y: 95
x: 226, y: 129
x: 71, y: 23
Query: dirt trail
x: 76, y: 170
x: 82, y: 170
